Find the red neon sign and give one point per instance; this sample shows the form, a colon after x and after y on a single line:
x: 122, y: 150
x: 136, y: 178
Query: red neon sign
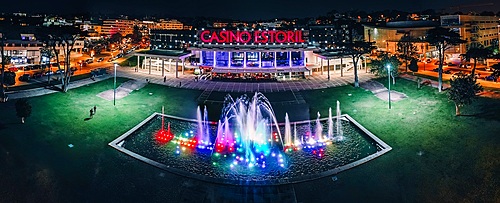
x: 257, y: 36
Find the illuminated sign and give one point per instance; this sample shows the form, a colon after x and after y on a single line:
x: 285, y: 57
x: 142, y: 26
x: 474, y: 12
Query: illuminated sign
x: 256, y: 36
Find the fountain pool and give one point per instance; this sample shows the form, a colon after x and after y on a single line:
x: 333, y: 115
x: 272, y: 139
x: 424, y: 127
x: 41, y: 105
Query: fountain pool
x: 248, y: 146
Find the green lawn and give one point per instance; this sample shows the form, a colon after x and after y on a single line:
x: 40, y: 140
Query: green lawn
x: 460, y: 160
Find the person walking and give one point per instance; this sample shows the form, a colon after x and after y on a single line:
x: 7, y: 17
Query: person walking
x: 165, y: 79
x: 95, y: 109
x: 91, y: 113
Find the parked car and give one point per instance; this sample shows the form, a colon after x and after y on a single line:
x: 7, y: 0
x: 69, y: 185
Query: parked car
x: 447, y: 71
x: 456, y: 74
x: 37, y: 75
x: 13, y: 69
x: 463, y: 65
x: 25, y: 77
x: 491, y: 78
x: 451, y: 64
x: 48, y: 73
x: 428, y: 60
x: 100, y: 59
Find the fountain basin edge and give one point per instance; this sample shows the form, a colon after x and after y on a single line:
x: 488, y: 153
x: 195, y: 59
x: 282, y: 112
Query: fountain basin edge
x: 117, y: 144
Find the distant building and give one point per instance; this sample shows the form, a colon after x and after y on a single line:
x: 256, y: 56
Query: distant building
x: 172, y: 39
x: 93, y: 30
x: 113, y: 26
x: 476, y: 30
x: 387, y: 35
x: 326, y: 36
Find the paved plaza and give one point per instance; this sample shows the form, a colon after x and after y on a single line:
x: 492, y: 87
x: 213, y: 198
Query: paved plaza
x: 186, y: 80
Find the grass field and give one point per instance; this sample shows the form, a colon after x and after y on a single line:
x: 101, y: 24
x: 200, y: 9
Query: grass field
x: 436, y: 156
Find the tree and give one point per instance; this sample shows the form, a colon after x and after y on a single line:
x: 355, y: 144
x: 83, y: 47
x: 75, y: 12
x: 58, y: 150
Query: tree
x: 463, y: 91
x: 62, y: 39
x: 356, y: 50
x: 9, y: 78
x: 407, y: 49
x: 413, y: 66
x: 23, y: 109
x: 477, y: 53
x: 442, y: 39
x: 117, y: 37
x: 136, y: 35
x: 379, y: 66
x: 46, y: 51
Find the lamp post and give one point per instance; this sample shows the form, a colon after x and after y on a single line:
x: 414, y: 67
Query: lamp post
x: 114, y: 87
x: 389, y: 81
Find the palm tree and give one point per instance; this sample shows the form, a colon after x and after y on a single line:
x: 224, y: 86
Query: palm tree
x: 477, y: 53
x: 356, y: 50
x: 442, y: 39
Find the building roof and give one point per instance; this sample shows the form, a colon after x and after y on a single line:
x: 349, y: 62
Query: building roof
x: 404, y: 25
x: 165, y: 53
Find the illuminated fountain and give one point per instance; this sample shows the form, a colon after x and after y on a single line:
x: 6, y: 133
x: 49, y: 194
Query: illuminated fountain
x: 248, y: 146
x: 248, y: 133
x: 339, y: 134
x: 163, y: 136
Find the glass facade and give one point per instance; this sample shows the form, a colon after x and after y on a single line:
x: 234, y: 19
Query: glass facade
x: 282, y: 59
x: 267, y: 59
x: 222, y: 58
x: 297, y: 58
x: 237, y: 59
x: 252, y: 59
x: 208, y: 58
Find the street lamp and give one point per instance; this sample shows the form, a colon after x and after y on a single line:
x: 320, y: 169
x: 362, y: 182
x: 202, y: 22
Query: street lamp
x: 389, y: 79
x: 114, y: 87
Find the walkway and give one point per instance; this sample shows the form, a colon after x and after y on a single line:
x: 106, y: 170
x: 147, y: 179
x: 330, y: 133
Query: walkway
x: 315, y: 81
x: 47, y: 90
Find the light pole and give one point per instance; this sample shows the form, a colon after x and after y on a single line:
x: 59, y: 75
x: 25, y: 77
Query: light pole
x: 114, y: 87
x: 389, y: 79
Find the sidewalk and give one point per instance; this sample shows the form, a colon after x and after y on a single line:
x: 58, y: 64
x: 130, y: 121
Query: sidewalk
x: 486, y: 93
x: 433, y: 82
x: 46, y: 90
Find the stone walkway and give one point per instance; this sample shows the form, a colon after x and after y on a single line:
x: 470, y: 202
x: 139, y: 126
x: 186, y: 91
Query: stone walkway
x: 316, y: 81
x: 381, y: 92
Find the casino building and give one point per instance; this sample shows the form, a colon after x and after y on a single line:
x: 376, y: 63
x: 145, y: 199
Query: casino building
x: 253, y: 53
x: 245, y: 54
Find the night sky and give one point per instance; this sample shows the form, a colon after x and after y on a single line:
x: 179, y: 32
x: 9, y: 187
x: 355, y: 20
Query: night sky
x: 236, y: 9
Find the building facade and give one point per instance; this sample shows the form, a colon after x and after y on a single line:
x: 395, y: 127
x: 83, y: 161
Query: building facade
x: 387, y: 35
x: 476, y: 30
x: 113, y: 26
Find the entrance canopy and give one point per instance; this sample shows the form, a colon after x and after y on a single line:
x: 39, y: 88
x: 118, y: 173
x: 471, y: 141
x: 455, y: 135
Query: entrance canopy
x: 259, y: 70
x: 165, y: 54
